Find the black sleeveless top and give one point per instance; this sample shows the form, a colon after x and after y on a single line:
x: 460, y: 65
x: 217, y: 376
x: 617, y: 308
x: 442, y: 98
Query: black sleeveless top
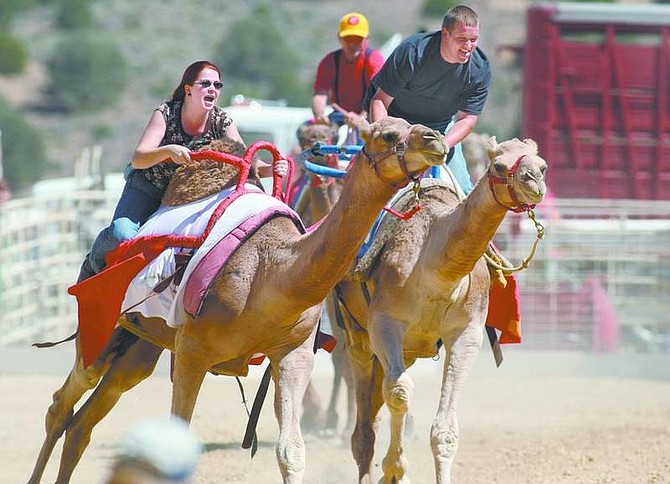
x: 159, y: 175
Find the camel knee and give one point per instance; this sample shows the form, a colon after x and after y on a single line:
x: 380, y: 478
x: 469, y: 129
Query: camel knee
x: 444, y: 441
x: 291, y: 459
x: 56, y: 421
x: 397, y: 395
x: 64, y: 399
x: 394, y: 467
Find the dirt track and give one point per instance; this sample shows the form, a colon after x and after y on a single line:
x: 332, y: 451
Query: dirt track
x: 540, y: 418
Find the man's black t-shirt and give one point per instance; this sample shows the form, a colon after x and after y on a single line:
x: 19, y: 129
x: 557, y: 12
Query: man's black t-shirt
x: 428, y: 90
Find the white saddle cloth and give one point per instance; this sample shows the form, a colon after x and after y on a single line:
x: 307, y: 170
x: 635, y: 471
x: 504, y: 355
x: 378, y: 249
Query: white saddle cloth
x: 190, y: 219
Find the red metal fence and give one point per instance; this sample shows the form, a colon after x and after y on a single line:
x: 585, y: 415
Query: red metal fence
x: 596, y: 89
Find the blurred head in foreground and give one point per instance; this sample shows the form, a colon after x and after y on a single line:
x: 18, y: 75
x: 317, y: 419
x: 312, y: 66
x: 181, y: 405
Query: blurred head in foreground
x: 157, y: 451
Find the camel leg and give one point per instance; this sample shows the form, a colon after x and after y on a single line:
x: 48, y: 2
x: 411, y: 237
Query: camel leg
x: 188, y: 374
x: 367, y: 378
x: 341, y: 374
x: 60, y: 412
x: 459, y: 358
x: 386, y: 339
x: 291, y: 375
x: 125, y: 371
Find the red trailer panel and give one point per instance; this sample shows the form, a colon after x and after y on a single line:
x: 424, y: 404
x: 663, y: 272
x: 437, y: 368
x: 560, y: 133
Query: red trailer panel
x: 596, y: 85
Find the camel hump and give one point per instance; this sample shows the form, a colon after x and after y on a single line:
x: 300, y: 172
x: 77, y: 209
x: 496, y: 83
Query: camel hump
x: 199, y: 179
x: 387, y: 224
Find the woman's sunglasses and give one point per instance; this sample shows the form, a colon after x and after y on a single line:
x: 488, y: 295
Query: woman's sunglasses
x: 206, y: 83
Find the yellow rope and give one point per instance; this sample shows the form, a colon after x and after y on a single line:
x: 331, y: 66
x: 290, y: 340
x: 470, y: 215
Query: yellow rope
x: 525, y: 262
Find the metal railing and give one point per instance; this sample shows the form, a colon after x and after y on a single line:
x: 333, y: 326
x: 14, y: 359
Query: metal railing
x: 601, y: 276
x: 42, y: 243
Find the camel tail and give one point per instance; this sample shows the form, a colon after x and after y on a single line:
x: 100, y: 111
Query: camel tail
x: 49, y: 344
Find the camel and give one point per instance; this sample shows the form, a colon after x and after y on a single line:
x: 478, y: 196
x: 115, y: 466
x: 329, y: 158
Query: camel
x: 320, y: 193
x: 429, y: 286
x: 266, y: 299
x: 315, y: 202
x: 476, y: 155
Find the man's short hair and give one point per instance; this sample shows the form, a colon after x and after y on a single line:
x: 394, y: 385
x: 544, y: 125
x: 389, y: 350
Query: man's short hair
x: 460, y: 14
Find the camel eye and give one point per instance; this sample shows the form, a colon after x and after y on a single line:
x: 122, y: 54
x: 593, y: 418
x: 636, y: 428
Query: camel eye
x: 499, y: 166
x: 390, y: 137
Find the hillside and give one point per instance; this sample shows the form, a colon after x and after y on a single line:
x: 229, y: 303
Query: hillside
x: 159, y: 38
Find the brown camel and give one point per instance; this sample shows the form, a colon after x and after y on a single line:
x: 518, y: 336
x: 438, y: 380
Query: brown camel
x: 315, y: 202
x: 429, y: 284
x: 265, y: 299
x: 476, y: 155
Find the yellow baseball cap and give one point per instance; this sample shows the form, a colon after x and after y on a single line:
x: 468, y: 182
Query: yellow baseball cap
x: 354, y: 24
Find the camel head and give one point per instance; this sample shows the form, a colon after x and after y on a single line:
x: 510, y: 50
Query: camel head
x: 309, y: 133
x: 199, y: 179
x: 516, y: 173
x: 476, y: 154
x: 399, y: 152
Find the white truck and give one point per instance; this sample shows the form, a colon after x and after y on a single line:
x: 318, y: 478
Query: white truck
x: 268, y: 121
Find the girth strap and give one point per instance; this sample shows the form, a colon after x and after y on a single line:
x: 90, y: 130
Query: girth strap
x: 250, y: 437
x: 495, y: 345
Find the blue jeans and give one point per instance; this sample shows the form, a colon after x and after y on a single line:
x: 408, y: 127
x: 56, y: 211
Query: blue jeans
x: 138, y: 201
x: 459, y: 168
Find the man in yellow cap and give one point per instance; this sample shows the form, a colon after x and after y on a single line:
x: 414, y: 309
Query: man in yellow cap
x: 343, y: 75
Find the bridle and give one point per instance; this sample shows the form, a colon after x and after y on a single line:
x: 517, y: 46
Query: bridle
x: 398, y: 150
x: 517, y: 206
x: 331, y: 161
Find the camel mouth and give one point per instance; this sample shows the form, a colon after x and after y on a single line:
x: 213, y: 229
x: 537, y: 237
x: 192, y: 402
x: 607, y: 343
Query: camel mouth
x: 435, y: 147
x: 533, y: 190
x: 533, y: 197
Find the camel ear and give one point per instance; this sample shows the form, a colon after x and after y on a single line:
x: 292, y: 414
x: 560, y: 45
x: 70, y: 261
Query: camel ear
x: 365, y: 130
x: 492, y: 147
x: 531, y: 143
x: 300, y: 133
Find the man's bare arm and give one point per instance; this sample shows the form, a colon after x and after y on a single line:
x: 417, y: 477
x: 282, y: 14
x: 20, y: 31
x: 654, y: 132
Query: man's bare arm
x: 379, y: 105
x: 463, y: 126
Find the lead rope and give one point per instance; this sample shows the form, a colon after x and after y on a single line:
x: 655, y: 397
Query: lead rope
x: 525, y: 262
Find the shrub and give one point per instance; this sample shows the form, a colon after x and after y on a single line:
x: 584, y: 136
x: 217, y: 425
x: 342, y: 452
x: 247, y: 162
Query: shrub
x: 437, y: 8
x: 23, y: 152
x: 10, y: 8
x: 245, y: 57
x: 13, y: 55
x: 87, y: 74
x: 73, y: 14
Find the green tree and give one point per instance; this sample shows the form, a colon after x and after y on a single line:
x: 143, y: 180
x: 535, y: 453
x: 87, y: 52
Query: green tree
x: 23, y: 152
x: 73, y: 14
x: 87, y: 74
x: 437, y: 8
x: 9, y: 9
x: 254, y: 52
x: 13, y: 55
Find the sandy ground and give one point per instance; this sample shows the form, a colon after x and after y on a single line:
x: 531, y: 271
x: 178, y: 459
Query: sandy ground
x: 539, y: 418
